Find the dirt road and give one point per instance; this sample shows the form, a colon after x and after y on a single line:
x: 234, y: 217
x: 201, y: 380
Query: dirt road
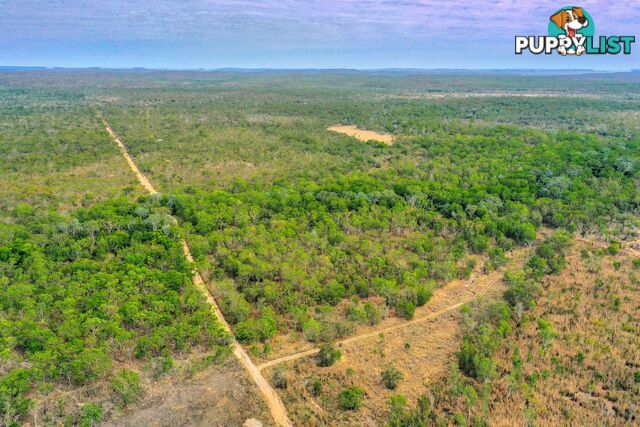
x: 273, y: 401
x: 143, y: 179
x: 495, y: 278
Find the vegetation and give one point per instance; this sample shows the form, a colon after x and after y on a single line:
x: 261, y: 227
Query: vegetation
x: 350, y: 398
x: 90, y: 415
x: 126, y: 385
x: 391, y: 377
x: 327, y: 356
x: 279, y: 377
x: 510, y: 359
x: 77, y: 291
x: 297, y: 230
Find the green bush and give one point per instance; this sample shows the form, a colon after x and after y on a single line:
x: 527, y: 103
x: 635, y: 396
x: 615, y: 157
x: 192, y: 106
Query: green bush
x: 90, y: 415
x: 327, y: 356
x: 126, y: 386
x: 614, y: 248
x: 316, y: 387
x: 374, y: 315
x: 406, y: 309
x: 14, y: 387
x: 350, y: 398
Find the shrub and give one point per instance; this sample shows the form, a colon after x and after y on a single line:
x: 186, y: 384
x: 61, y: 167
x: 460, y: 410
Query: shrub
x: 614, y: 248
x: 126, y: 385
x: 267, y: 324
x: 312, y: 330
x: 391, y: 377
x: 90, y: 365
x: 374, y: 314
x: 521, y: 289
x: 90, y: 415
x: 332, y: 293
x: 351, y: 398
x: 279, y: 377
x: 327, y: 356
x: 316, y: 387
x: 423, y: 295
x: 246, y: 331
x: 546, y: 332
x: 406, y: 309
x: 355, y: 313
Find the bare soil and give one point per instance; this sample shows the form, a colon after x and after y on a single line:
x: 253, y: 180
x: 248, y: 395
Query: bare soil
x: 192, y: 393
x: 362, y: 135
x: 216, y: 397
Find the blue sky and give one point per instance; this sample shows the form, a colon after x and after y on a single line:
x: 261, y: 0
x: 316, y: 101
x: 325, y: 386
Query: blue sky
x: 184, y: 34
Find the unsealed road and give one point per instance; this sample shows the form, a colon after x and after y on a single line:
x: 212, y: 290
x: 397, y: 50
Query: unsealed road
x: 278, y: 411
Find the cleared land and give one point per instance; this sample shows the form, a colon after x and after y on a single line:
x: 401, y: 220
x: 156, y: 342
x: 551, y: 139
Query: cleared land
x: 362, y: 135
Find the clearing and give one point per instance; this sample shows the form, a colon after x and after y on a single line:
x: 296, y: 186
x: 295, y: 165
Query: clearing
x: 363, y: 135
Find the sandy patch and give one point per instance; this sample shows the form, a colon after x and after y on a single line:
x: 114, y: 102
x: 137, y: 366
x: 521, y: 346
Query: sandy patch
x: 362, y: 135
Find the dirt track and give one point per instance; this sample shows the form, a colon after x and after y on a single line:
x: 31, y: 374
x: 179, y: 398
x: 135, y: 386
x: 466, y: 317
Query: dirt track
x: 274, y: 403
x: 143, y: 179
x: 377, y: 332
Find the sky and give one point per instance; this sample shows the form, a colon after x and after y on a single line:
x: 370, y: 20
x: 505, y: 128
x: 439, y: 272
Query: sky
x: 362, y: 34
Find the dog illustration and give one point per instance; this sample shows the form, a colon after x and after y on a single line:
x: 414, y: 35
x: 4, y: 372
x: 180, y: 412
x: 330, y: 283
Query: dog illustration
x: 571, y: 21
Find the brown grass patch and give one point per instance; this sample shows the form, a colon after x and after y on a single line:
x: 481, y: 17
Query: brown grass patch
x: 422, y: 352
x: 586, y: 376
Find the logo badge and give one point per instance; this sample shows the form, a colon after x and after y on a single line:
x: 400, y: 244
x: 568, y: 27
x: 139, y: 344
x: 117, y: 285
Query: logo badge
x: 571, y: 31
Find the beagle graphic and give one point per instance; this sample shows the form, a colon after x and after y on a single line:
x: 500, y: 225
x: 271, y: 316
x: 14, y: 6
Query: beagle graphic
x: 571, y: 20
x: 570, y: 31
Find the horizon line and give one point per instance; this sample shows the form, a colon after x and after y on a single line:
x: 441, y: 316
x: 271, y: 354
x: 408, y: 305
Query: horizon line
x: 263, y: 69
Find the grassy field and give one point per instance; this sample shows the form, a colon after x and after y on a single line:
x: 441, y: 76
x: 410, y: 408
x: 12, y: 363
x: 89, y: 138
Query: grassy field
x: 304, y: 235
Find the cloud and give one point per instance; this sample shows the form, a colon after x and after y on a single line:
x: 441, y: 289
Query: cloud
x: 245, y: 26
x: 297, y: 22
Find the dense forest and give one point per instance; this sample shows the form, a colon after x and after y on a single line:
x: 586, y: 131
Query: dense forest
x: 300, y: 233
x: 297, y: 250
x: 81, y: 293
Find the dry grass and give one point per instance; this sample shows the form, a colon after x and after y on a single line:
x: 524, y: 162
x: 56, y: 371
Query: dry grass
x: 422, y: 352
x: 586, y: 375
x: 195, y: 392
